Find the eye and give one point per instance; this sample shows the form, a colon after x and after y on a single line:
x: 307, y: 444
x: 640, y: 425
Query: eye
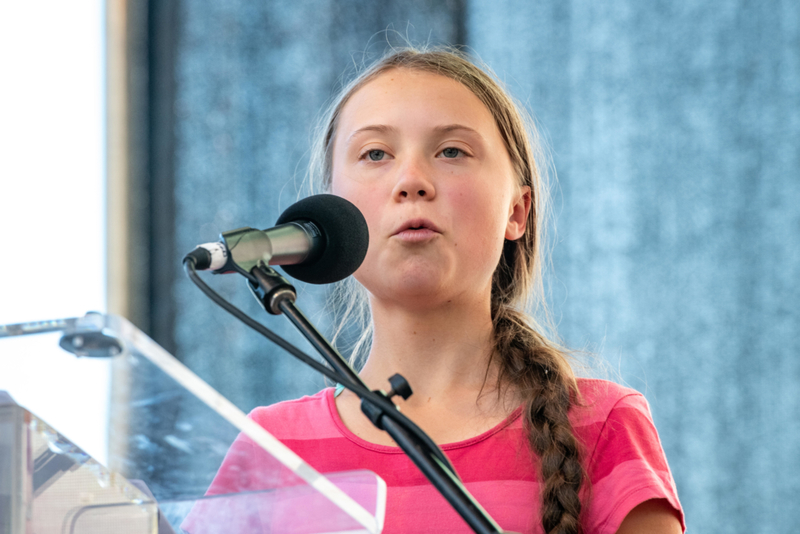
x: 376, y: 155
x: 451, y: 152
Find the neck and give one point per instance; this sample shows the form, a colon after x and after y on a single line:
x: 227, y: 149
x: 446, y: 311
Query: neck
x: 444, y: 352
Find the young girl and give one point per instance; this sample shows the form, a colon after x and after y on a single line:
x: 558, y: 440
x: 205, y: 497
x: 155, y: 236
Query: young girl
x: 438, y: 159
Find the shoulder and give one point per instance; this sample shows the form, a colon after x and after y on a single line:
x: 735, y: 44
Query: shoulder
x: 604, y: 395
x: 308, y: 417
x: 608, y: 415
x: 623, y: 457
x: 601, y: 399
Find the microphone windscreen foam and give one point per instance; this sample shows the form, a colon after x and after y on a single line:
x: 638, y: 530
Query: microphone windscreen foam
x: 345, y: 238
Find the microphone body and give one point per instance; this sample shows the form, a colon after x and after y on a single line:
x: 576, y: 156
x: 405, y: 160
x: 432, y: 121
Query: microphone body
x: 286, y: 244
x: 319, y: 240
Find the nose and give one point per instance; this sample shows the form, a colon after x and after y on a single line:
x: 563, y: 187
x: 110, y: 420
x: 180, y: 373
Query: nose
x: 414, y: 182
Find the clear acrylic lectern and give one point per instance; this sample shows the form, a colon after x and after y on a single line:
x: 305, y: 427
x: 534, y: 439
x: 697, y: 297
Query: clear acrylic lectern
x: 169, y: 432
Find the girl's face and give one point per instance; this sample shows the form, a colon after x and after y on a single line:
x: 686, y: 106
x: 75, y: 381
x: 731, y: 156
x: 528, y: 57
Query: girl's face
x: 422, y: 158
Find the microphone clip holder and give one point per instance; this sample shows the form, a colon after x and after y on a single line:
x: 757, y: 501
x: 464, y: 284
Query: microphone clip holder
x: 247, y: 248
x: 270, y: 288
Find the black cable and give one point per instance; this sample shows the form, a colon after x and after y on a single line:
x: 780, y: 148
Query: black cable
x: 189, y: 267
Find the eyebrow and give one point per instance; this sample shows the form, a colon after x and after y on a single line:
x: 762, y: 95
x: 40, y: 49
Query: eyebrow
x: 380, y: 128
x: 452, y: 127
x: 383, y: 128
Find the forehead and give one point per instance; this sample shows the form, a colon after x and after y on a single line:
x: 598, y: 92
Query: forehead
x: 412, y: 97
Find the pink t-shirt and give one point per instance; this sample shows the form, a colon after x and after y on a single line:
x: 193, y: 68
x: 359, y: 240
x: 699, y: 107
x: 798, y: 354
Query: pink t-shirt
x: 621, y: 453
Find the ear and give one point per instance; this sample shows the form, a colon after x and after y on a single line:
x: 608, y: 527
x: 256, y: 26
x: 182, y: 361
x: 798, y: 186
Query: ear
x: 518, y: 214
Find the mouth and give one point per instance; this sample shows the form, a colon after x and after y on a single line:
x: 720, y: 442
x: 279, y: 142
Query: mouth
x: 416, y: 230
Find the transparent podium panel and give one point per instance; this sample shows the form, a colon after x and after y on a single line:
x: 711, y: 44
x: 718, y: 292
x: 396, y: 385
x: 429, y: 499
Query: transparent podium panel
x: 282, y: 511
x: 176, y: 456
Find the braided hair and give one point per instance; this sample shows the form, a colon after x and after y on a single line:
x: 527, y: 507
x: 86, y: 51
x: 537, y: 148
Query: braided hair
x: 529, y: 363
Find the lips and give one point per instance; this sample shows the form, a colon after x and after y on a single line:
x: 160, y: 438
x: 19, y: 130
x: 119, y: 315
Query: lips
x: 415, y: 230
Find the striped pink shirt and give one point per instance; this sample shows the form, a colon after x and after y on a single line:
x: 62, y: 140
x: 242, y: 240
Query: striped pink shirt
x: 621, y: 453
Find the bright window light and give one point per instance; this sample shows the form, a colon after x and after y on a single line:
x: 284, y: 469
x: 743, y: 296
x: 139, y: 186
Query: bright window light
x: 52, y: 200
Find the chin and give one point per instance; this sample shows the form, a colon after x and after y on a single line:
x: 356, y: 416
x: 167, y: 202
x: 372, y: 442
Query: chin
x: 415, y: 287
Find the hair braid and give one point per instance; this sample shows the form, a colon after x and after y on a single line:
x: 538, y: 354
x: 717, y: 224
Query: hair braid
x: 530, y: 363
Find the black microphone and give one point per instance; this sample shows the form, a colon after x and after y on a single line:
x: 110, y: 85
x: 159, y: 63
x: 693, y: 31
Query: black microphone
x: 319, y: 240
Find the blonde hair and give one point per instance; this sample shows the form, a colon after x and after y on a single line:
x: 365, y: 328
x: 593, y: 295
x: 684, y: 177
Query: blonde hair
x: 529, y: 362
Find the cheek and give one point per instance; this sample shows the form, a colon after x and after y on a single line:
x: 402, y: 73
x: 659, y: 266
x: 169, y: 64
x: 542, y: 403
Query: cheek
x: 483, y: 211
x: 365, y: 201
x: 364, y: 198
x: 348, y: 186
